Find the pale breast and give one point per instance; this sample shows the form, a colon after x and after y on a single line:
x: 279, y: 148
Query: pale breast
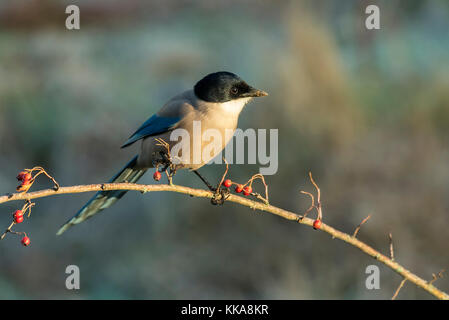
x: 200, y: 136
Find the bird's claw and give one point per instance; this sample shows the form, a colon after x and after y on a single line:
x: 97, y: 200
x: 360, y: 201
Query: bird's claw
x: 220, y: 196
x: 163, y: 160
x: 166, y: 165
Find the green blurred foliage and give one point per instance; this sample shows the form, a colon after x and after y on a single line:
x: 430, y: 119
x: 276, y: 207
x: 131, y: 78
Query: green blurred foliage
x: 366, y: 111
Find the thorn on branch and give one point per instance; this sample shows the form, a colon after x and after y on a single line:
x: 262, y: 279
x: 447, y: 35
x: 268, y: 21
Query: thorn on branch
x: 437, y: 276
x: 356, y: 231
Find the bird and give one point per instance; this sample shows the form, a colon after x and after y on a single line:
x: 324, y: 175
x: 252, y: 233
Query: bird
x: 215, y: 102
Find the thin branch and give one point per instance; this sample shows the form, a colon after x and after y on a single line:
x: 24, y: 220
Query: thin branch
x: 40, y: 171
x: 399, y: 289
x: 390, y: 236
x: 224, y: 174
x: 257, y: 195
x: 312, y: 205
x: 356, y: 231
x: 318, y: 204
x: 435, y: 277
x: 245, y: 202
x: 7, y: 230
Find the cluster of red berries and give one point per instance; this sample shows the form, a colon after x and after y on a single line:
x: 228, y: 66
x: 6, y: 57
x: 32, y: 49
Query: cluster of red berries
x: 26, y: 180
x: 18, y: 218
x: 247, y: 190
x: 239, y: 188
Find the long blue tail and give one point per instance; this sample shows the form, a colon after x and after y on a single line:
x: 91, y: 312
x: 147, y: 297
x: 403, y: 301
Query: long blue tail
x: 104, y: 199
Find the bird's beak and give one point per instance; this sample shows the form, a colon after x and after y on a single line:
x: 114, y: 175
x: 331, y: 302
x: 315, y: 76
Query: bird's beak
x: 253, y: 92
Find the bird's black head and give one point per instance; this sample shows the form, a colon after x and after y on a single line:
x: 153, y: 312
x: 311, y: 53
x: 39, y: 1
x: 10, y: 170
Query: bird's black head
x: 224, y: 86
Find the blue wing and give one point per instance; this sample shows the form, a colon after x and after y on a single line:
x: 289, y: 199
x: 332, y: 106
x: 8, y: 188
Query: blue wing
x: 153, y: 126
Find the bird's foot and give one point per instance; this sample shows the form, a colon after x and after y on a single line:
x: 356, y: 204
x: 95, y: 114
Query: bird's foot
x: 220, y: 196
x: 161, y: 158
x: 166, y: 165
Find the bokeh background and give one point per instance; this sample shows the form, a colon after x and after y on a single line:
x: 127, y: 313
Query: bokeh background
x: 366, y: 111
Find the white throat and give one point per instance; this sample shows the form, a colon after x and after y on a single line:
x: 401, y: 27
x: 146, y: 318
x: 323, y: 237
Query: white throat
x: 234, y: 106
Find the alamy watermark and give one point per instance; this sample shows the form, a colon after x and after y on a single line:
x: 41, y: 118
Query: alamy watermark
x: 373, y: 20
x: 72, y: 22
x: 206, y: 147
x: 373, y: 280
x: 72, y: 282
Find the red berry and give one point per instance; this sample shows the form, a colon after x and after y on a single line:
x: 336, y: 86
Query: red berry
x: 239, y: 188
x: 247, y: 190
x: 21, y: 175
x: 18, y: 213
x: 157, y: 176
x: 317, y: 224
x: 24, y: 176
x: 26, y: 241
x: 27, y: 177
x: 18, y: 216
x: 227, y: 183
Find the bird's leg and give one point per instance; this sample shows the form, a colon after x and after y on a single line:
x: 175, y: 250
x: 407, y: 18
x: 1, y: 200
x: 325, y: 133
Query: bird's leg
x: 220, y: 194
x: 209, y: 186
x: 171, y: 174
x: 169, y: 165
x: 166, y: 162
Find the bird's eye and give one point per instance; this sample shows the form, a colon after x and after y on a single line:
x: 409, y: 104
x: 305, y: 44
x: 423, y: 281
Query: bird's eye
x: 234, y: 90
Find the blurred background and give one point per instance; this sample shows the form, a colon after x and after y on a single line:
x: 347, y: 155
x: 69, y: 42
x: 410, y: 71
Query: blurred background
x: 367, y: 111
